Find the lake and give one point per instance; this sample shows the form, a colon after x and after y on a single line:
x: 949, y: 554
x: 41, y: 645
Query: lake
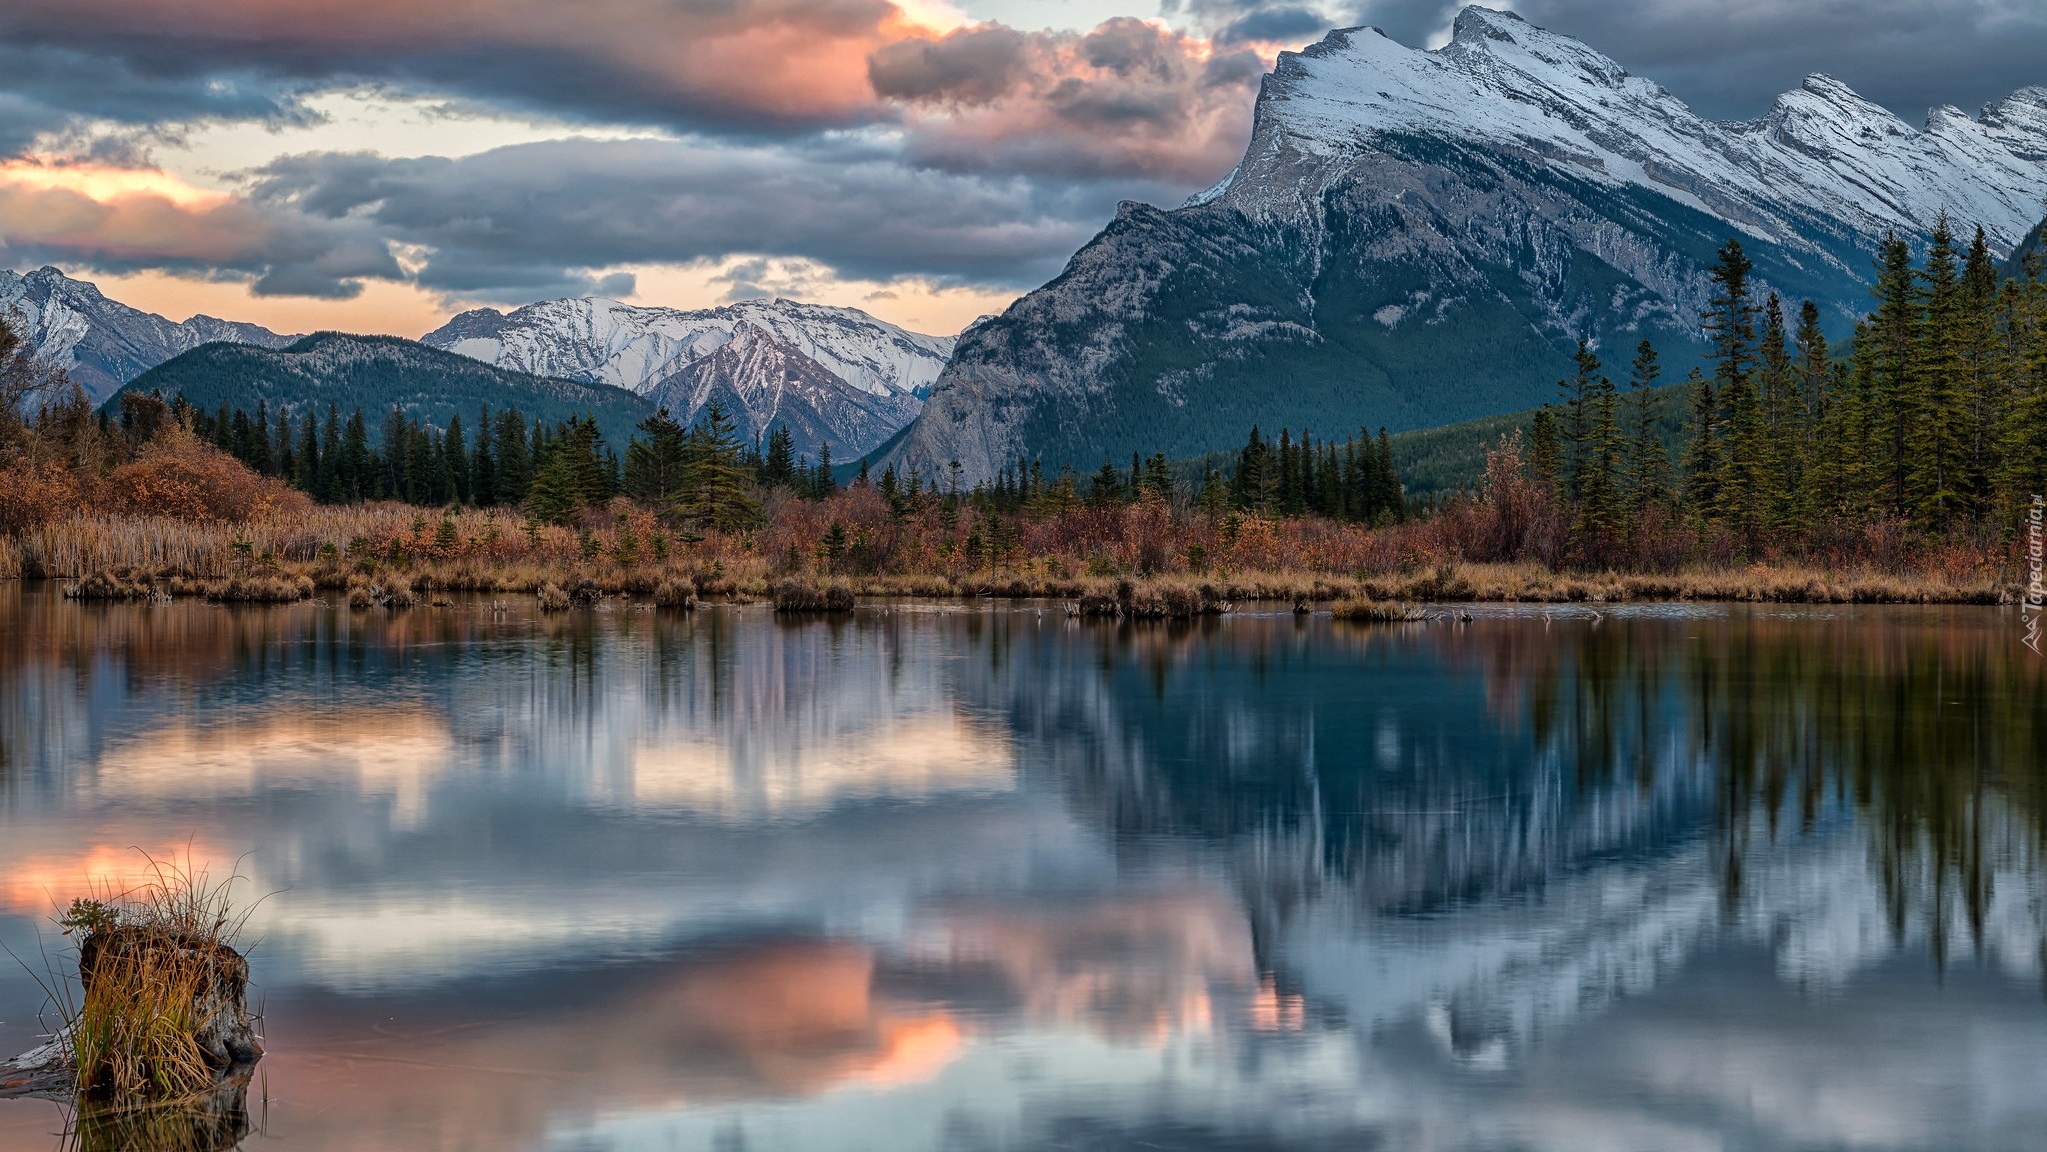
x: 985, y: 877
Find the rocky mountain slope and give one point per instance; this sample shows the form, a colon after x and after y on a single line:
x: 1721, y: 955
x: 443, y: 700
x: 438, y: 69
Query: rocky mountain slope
x: 880, y: 372
x: 376, y: 372
x: 104, y: 343
x: 1419, y: 237
x: 765, y: 381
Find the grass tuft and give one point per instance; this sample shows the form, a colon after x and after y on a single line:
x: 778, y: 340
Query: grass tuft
x: 162, y: 1008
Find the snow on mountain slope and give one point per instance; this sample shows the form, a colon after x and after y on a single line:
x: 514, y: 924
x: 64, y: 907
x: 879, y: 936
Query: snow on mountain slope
x: 766, y: 381
x: 1415, y: 238
x: 1822, y: 156
x: 604, y: 341
x: 104, y: 343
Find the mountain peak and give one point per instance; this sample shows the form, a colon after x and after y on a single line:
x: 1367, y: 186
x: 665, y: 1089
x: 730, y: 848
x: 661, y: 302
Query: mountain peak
x: 1824, y: 159
x: 1474, y: 24
x: 103, y: 343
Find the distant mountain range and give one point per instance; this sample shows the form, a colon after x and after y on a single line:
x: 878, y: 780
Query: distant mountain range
x: 1419, y: 237
x: 104, y: 343
x: 375, y: 373
x: 830, y: 375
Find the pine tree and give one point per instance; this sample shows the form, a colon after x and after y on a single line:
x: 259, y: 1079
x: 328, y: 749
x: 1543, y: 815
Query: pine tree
x: 513, y: 458
x: 1784, y: 429
x: 1985, y: 382
x: 1893, y: 336
x: 1576, y: 411
x: 483, y: 483
x: 1106, y: 489
x: 1823, y: 387
x: 825, y: 485
x: 716, y: 492
x: 2023, y: 470
x: 553, y: 497
x: 1545, y: 454
x: 1702, y: 446
x: 1744, y: 453
x: 1934, y: 396
x: 778, y: 467
x: 455, y: 460
x: 1600, y: 455
x: 391, y: 481
x: 330, y: 487
x: 1648, y: 473
x: 1158, y: 477
x: 1249, y: 485
x: 358, y: 471
x: 422, y: 467
x: 1389, y: 500
x: 306, y: 467
x: 283, y: 453
x: 654, y: 466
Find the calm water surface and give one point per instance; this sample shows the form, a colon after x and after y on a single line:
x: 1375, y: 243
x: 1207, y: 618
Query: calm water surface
x: 962, y: 879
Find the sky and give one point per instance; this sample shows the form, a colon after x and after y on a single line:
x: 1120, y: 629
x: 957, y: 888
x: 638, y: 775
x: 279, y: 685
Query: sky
x: 378, y: 165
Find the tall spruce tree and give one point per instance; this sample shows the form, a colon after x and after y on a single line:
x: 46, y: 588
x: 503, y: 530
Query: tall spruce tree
x: 655, y: 460
x: 717, y: 492
x: 513, y: 457
x: 1648, y: 474
x: 1934, y: 396
x: 455, y: 460
x: 1745, y: 451
x: 1893, y: 334
x: 1784, y: 431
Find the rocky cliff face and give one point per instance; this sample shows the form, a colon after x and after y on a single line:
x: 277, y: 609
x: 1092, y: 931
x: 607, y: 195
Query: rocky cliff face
x: 104, y: 343
x: 1414, y: 238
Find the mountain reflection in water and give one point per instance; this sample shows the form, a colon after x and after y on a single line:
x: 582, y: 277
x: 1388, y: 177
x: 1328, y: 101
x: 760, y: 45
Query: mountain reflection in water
x: 992, y: 879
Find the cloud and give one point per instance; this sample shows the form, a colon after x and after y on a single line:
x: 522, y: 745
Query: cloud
x: 749, y: 65
x: 1128, y: 99
x: 123, y: 219
x: 527, y: 220
x: 1731, y: 58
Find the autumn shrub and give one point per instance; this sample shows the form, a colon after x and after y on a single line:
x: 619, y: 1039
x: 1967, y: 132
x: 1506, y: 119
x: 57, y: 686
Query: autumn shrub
x: 35, y: 492
x: 180, y: 476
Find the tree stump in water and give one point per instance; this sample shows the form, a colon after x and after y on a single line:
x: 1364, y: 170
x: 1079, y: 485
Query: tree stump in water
x: 162, y: 1013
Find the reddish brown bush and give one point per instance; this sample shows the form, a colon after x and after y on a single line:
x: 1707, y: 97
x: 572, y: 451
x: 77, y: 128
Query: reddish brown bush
x: 181, y: 476
x: 36, y: 492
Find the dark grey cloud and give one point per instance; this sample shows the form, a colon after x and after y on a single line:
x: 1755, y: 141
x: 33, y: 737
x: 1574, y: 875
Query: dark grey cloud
x: 531, y: 220
x: 47, y: 91
x: 1731, y: 59
x: 1127, y: 100
x: 733, y: 65
x: 1274, y: 25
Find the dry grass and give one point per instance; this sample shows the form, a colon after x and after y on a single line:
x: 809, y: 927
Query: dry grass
x: 800, y: 596
x: 157, y: 974
x: 1368, y: 611
x: 395, y: 556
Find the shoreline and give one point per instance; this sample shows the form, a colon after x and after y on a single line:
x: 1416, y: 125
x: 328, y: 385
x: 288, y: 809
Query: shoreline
x: 1165, y: 596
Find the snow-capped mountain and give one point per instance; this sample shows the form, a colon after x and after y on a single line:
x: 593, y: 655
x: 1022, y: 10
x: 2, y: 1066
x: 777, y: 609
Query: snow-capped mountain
x: 604, y: 341
x: 104, y: 343
x: 765, y: 381
x: 1418, y: 237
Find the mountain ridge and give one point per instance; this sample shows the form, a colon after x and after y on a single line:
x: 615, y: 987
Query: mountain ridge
x: 1415, y: 238
x: 639, y: 348
x: 375, y: 373
x: 102, y: 343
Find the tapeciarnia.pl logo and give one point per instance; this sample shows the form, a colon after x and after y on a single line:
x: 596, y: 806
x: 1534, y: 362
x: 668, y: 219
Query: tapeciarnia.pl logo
x: 2036, y: 560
